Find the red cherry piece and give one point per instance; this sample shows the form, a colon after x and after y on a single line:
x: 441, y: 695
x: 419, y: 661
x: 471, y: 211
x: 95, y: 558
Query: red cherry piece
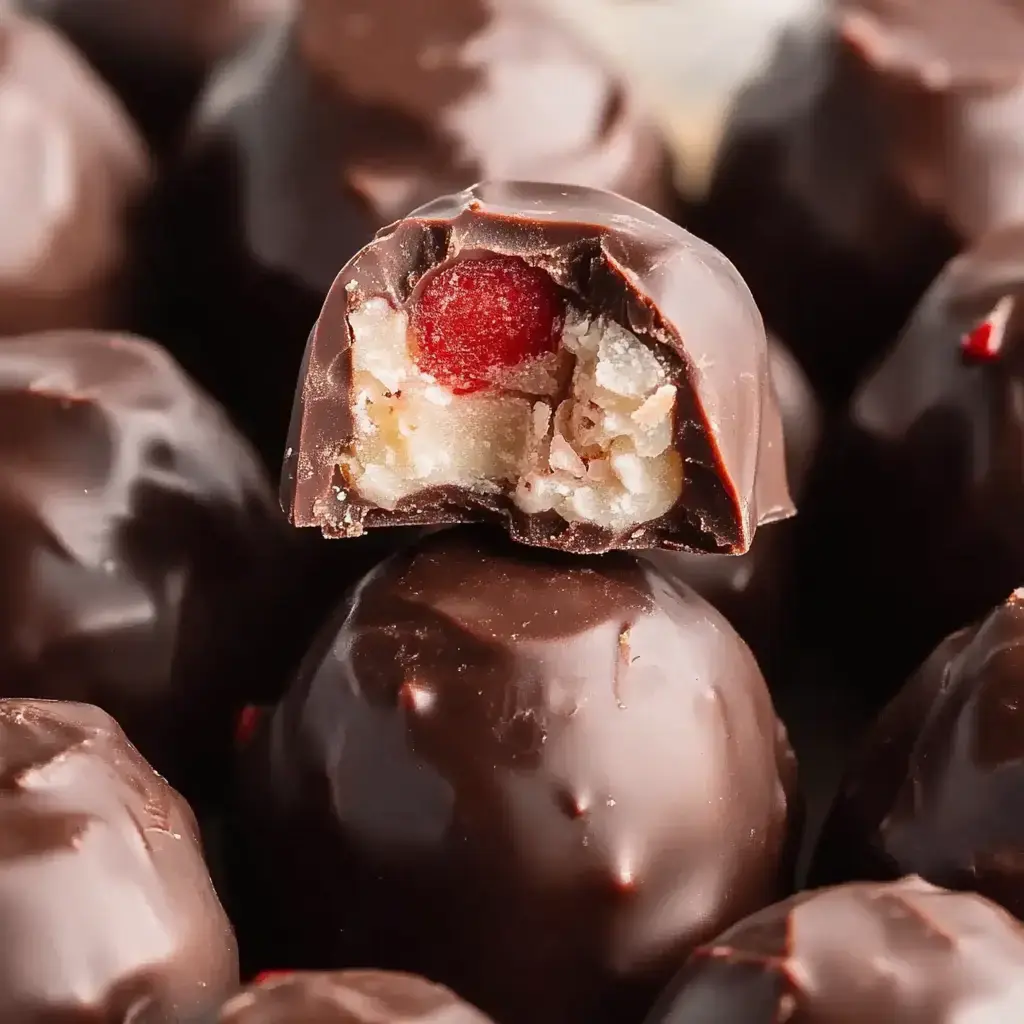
x: 478, y: 317
x: 270, y: 976
x: 984, y: 343
x: 246, y: 725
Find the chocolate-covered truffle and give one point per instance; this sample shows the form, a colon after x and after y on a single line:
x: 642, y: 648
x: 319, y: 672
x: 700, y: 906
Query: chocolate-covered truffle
x: 885, y: 137
x: 140, y: 549
x: 537, y: 778
x: 927, y: 489
x: 937, y: 788
x: 109, y: 913
x: 902, y: 952
x: 156, y: 54
x: 348, y: 997
x: 558, y: 359
x: 754, y: 591
x: 339, y: 123
x: 71, y: 172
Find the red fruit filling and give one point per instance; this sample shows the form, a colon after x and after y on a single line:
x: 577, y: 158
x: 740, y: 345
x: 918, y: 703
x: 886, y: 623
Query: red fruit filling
x: 985, y: 342
x: 245, y: 727
x: 478, y: 317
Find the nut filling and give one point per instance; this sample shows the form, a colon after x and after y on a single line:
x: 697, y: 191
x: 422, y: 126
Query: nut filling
x: 585, y: 431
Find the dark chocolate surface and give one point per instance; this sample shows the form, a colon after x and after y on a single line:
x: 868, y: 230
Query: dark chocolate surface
x: 141, y: 555
x: 903, y: 952
x: 936, y: 788
x: 72, y: 169
x: 333, y: 126
x: 348, y: 997
x: 613, y: 258
x: 537, y: 778
x: 109, y: 913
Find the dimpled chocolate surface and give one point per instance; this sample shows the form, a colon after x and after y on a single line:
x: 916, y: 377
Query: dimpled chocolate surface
x: 108, y: 912
x: 337, y: 124
x: 903, y: 952
x: 348, y: 997
x: 72, y: 169
x: 613, y: 258
x: 885, y: 137
x: 539, y: 779
x: 927, y: 488
x: 139, y: 546
x: 937, y: 787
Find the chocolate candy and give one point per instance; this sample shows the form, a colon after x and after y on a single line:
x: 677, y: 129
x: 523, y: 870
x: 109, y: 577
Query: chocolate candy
x: 557, y: 359
x: 109, y: 912
x: 937, y: 787
x: 71, y: 171
x: 141, y: 555
x: 754, y: 591
x: 904, y: 952
x: 927, y: 491
x: 348, y: 997
x: 340, y: 123
x: 537, y: 778
x: 157, y: 53
x: 884, y: 138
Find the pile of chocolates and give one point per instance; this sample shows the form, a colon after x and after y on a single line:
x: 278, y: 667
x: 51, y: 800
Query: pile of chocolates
x: 486, y: 718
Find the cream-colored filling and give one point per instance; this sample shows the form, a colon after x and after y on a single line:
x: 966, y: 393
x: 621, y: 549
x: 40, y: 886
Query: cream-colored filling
x: 586, y: 432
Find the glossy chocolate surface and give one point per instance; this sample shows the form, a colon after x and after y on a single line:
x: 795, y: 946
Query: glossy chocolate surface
x: 72, y: 170
x: 141, y: 555
x: 927, y: 489
x: 109, y: 912
x: 348, y: 997
x: 537, y: 778
x: 883, y: 139
x: 343, y: 121
x: 937, y: 787
x: 903, y: 952
x: 613, y: 258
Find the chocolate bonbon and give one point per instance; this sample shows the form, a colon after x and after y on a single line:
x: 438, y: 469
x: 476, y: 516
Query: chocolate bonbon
x: 340, y: 122
x: 109, y: 910
x: 537, y: 778
x: 348, y: 997
x: 902, y: 951
x: 937, y: 786
x: 73, y: 171
x: 558, y: 359
x: 142, y: 560
x: 885, y: 138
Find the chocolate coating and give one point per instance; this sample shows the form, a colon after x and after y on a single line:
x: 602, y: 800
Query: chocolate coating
x: 108, y: 910
x: 904, y: 952
x: 156, y: 54
x: 884, y: 139
x: 334, y: 126
x: 927, y: 489
x: 72, y: 170
x: 348, y: 997
x: 753, y: 591
x: 937, y: 788
x: 613, y: 258
x: 141, y: 555
x: 537, y: 778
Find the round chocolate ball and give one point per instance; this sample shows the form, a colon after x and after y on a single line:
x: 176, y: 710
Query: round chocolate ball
x: 540, y: 779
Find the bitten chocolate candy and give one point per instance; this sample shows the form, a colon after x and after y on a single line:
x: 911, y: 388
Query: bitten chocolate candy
x: 72, y: 170
x: 348, y: 997
x: 904, y: 952
x: 108, y: 910
x: 886, y: 136
x: 937, y: 787
x: 557, y: 359
x: 337, y: 124
x: 140, y: 550
x: 537, y: 778
x: 927, y: 489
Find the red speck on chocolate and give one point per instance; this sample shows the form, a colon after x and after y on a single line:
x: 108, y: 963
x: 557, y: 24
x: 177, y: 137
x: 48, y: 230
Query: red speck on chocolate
x: 245, y: 727
x: 984, y: 343
x: 270, y: 976
x: 477, y: 317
